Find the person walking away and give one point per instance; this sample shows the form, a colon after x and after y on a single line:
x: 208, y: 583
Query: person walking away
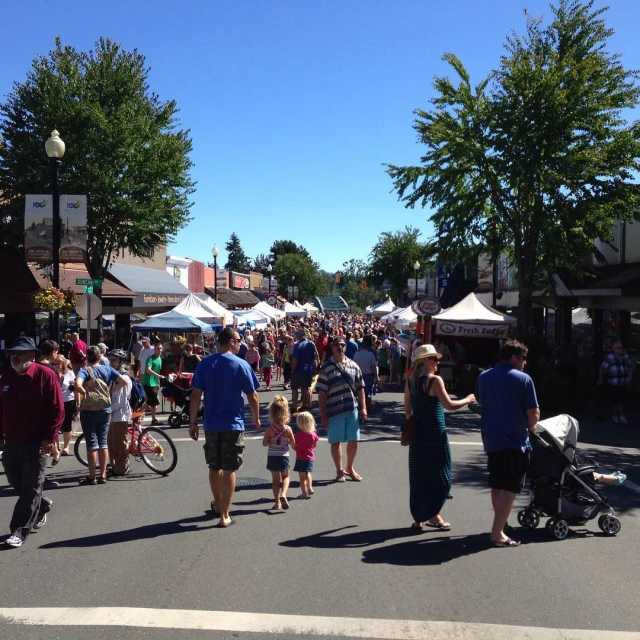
x: 267, y: 363
x: 352, y: 346
x: 368, y: 363
x: 278, y: 437
x: 426, y: 397
x: 306, y: 440
x: 615, y: 371
x: 135, y: 350
x: 78, y: 353
x: 342, y: 407
x: 384, y: 368
x: 117, y: 443
x: 94, y: 386
x: 31, y: 414
x: 286, y: 362
x: 223, y: 378
x: 146, y: 351
x: 151, y: 381
x: 65, y: 373
x: 304, y: 361
x: 509, y: 414
x: 253, y: 356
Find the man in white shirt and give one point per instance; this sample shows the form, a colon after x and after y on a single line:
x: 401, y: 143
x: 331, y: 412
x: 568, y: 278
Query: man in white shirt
x: 145, y: 353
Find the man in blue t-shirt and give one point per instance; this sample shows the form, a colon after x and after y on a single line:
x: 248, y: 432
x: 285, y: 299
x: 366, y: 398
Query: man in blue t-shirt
x: 304, y: 364
x: 509, y: 413
x: 352, y: 346
x: 223, y: 378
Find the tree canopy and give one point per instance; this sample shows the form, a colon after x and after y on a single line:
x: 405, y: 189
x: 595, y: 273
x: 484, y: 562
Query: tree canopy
x: 355, y: 286
x: 393, y: 257
x: 261, y: 264
x: 237, y: 259
x: 124, y: 149
x: 536, y: 160
x: 282, y: 247
x: 293, y: 269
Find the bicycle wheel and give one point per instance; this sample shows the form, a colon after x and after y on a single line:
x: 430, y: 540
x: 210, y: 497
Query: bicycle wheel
x: 81, y: 452
x: 158, y: 451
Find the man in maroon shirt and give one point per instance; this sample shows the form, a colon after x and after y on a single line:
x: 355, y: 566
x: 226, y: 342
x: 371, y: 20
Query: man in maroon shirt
x: 31, y: 414
x: 78, y: 353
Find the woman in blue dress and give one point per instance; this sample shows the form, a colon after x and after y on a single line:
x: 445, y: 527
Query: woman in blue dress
x: 426, y: 397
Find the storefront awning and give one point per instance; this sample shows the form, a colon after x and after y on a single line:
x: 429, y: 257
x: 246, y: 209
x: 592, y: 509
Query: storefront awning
x: 153, y: 287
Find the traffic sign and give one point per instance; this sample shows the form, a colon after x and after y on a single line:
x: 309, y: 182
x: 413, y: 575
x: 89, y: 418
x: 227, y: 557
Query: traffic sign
x: 426, y: 307
x: 89, y: 282
x: 94, y: 324
x: 89, y: 306
x: 88, y: 289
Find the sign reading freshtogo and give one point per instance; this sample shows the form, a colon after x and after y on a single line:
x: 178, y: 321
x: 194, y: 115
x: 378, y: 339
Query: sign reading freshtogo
x: 471, y: 330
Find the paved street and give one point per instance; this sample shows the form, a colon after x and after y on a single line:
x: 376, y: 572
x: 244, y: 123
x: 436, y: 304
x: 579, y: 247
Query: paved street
x: 346, y: 554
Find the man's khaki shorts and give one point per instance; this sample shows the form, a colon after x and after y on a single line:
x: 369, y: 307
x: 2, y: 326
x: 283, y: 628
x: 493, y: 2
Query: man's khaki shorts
x: 224, y: 450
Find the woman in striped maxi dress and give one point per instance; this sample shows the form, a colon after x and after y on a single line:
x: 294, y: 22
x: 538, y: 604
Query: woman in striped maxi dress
x: 426, y: 397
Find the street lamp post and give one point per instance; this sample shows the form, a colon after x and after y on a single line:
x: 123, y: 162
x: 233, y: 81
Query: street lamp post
x: 416, y: 266
x: 54, y: 148
x: 214, y: 253
x: 269, y: 269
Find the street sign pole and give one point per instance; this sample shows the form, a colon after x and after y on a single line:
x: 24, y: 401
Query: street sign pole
x: 89, y: 320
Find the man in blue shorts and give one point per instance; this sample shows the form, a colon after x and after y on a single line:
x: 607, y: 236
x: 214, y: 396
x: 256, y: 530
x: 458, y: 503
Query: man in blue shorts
x: 304, y: 361
x: 509, y: 413
x: 342, y: 406
x: 223, y: 377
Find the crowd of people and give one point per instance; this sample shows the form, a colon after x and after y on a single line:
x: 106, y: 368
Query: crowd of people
x: 343, y: 358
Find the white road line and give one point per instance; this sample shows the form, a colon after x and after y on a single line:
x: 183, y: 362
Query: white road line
x: 232, y: 621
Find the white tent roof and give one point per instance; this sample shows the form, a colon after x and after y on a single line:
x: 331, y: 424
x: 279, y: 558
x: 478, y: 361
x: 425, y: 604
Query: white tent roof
x: 205, y: 310
x: 405, y: 318
x: 384, y: 308
x: 394, y: 314
x: 296, y: 303
x: 260, y: 319
x: 268, y: 310
x: 292, y: 310
x: 470, y: 309
x: 310, y: 308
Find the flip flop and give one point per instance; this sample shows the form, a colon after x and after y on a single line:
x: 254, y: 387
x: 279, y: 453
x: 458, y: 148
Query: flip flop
x: 226, y: 526
x: 443, y: 526
x: 354, y: 476
x: 507, y: 544
x: 416, y: 528
x: 213, y: 508
x: 64, y: 452
x: 54, y: 462
x: 284, y: 502
x: 87, y: 481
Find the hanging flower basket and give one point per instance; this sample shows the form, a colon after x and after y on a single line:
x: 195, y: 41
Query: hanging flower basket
x: 53, y: 299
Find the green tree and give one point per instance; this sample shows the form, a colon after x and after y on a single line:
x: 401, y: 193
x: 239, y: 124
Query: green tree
x: 393, y: 257
x: 237, y: 259
x: 124, y: 149
x: 282, y: 247
x: 537, y: 160
x: 261, y: 264
x: 293, y: 269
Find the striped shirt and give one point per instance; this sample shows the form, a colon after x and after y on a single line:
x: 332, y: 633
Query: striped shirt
x: 332, y: 379
x: 617, y: 369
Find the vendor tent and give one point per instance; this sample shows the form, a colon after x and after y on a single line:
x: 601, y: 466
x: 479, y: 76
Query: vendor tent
x: 206, y: 310
x: 390, y: 317
x: 252, y: 315
x: 309, y: 308
x: 383, y: 309
x: 268, y: 310
x: 292, y: 311
x: 405, y: 318
x: 472, y: 318
x: 173, y: 321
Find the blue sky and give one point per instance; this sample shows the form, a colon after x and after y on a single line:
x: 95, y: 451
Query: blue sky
x: 293, y: 105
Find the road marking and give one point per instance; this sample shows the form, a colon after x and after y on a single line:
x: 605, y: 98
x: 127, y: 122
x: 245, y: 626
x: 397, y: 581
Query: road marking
x: 232, y: 621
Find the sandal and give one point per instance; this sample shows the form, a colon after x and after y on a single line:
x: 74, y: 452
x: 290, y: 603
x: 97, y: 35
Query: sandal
x: 441, y: 524
x: 87, y: 481
x: 508, y: 543
x: 340, y: 477
x: 102, y: 480
x: 354, y: 476
x: 416, y: 527
x: 284, y: 502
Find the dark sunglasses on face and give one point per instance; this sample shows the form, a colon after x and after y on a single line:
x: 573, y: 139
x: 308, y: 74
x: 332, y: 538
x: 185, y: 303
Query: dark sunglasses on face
x: 340, y: 345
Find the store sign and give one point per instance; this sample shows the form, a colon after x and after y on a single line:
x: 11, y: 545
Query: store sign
x: 239, y: 281
x: 73, y: 223
x: 38, y: 228
x: 158, y: 299
x: 471, y: 330
x: 426, y: 306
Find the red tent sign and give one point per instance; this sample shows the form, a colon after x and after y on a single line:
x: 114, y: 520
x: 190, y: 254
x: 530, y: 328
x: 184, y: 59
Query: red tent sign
x: 426, y: 307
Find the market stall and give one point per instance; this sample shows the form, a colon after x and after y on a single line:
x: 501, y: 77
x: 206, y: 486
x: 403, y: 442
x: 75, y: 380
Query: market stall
x: 292, y: 311
x: 383, y: 309
x: 208, y: 310
x: 275, y: 314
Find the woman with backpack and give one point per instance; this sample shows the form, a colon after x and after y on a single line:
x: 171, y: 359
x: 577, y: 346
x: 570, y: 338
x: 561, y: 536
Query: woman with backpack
x: 121, y: 412
x: 95, y: 383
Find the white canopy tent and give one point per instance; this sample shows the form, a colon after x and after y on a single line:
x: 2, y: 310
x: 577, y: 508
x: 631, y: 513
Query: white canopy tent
x: 310, y: 309
x: 205, y: 310
x: 391, y: 316
x: 275, y: 314
x: 383, y: 309
x: 405, y: 318
x: 292, y: 311
x: 258, y: 318
x: 472, y: 318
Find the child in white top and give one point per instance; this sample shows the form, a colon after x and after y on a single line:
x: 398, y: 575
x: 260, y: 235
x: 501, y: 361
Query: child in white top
x: 278, y: 438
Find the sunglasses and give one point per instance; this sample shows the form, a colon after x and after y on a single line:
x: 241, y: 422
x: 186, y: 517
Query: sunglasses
x: 340, y: 344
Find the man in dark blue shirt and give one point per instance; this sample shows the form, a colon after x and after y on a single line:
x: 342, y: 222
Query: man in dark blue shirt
x: 509, y: 413
x: 352, y: 346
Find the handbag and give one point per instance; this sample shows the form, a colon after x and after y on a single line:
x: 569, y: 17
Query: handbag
x: 97, y: 396
x: 409, y: 428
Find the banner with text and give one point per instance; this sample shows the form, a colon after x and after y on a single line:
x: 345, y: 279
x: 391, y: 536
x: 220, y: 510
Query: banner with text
x: 73, y: 223
x: 471, y: 330
x: 38, y: 228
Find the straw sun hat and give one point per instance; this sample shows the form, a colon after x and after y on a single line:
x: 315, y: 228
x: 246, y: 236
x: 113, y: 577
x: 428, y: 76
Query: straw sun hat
x: 426, y: 351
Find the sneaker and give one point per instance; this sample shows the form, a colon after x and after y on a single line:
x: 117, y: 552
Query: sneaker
x: 615, y: 419
x: 41, y: 521
x: 620, y: 478
x: 623, y: 419
x: 14, y: 540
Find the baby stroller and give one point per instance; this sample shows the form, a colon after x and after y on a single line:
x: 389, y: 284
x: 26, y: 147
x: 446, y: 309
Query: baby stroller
x: 560, y: 487
x: 179, y: 390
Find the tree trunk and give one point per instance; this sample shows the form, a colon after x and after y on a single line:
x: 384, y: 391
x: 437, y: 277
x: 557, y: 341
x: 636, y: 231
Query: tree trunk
x: 526, y: 282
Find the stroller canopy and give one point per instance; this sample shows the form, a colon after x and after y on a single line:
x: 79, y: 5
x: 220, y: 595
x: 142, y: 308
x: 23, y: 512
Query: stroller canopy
x: 564, y: 431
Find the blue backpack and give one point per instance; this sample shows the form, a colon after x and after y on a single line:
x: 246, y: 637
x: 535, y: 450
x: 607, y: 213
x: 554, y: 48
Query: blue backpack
x: 137, y: 394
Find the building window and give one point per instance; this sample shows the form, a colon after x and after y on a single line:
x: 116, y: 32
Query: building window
x: 176, y: 272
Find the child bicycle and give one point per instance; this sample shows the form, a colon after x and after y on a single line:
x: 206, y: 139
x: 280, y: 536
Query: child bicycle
x: 153, y: 445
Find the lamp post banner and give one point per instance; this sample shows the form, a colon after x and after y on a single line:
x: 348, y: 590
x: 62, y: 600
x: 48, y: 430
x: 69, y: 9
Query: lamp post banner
x: 73, y: 218
x: 38, y: 227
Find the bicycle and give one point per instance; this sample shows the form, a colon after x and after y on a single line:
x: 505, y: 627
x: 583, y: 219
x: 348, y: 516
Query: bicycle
x: 152, y: 445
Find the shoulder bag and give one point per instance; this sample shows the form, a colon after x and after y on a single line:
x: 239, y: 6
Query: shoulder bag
x: 97, y: 396
x: 409, y: 428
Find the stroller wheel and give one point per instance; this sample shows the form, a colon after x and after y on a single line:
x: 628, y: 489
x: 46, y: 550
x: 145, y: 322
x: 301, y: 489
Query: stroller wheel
x: 560, y: 529
x: 531, y: 519
x: 549, y: 526
x: 175, y: 419
x: 610, y: 525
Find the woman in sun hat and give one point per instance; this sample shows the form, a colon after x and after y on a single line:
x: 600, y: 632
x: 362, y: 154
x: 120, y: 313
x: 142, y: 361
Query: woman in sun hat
x: 425, y: 397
